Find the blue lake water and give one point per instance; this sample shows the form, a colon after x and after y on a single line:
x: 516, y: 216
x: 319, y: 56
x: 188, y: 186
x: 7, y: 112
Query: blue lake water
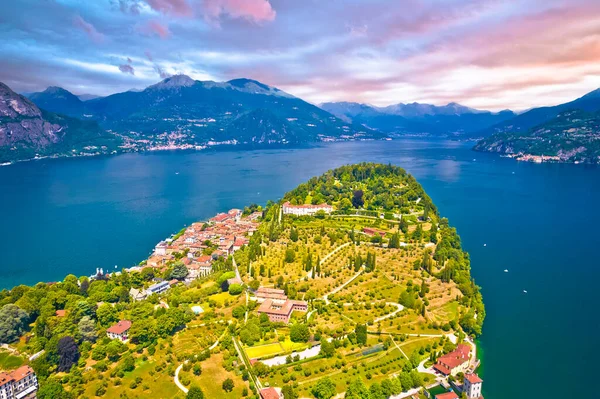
x: 538, y: 221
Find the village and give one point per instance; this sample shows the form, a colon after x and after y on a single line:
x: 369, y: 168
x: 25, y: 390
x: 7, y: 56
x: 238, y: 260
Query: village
x: 295, y: 299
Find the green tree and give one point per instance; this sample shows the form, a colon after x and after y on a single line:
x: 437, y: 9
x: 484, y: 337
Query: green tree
x: 327, y: 348
x: 361, y: 334
x: 107, y: 315
x: 52, y: 390
x: 357, y: 390
x: 228, y: 385
x: 299, y: 333
x: 195, y: 393
x: 289, y: 392
x: 180, y: 271
x: 324, y: 389
x: 13, y: 323
x: 294, y: 234
x: 290, y: 255
x: 87, y: 329
x: 236, y: 289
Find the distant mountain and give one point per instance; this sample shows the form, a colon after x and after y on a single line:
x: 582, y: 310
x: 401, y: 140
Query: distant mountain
x: 536, y: 116
x: 415, y: 118
x: 86, y: 97
x: 27, y: 131
x: 198, y: 112
x: 573, y: 136
x: 59, y: 100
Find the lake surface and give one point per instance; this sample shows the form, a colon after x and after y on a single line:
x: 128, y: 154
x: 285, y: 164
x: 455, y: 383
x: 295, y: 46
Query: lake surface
x: 538, y: 221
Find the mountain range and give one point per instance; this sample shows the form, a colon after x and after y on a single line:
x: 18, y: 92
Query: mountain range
x: 26, y: 131
x: 180, y: 112
x: 451, y: 120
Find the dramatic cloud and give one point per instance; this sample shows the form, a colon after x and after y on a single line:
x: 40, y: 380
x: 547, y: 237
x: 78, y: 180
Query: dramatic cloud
x: 492, y: 54
x: 179, y: 8
x: 253, y: 10
x: 88, y: 28
x: 126, y: 68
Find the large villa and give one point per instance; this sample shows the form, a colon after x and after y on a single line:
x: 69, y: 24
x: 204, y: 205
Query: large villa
x: 305, y: 210
x: 276, y: 305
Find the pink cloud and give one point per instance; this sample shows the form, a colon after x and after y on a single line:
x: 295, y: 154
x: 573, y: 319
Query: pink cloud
x: 126, y: 68
x: 178, y: 8
x: 89, y: 29
x: 252, y: 10
x: 154, y: 27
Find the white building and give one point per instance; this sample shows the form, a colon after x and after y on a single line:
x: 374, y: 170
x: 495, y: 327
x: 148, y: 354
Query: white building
x: 161, y: 248
x: 158, y: 288
x: 305, y: 210
x: 472, y: 386
x: 19, y: 384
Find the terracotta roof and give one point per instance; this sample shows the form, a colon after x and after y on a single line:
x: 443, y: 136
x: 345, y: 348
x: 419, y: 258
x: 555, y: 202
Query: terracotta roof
x: 269, y: 393
x: 120, y: 327
x: 266, y: 290
x: 473, y: 378
x: 220, y: 217
x: 453, y: 359
x: 442, y: 369
x: 61, y: 313
x: 284, y: 309
x: 447, y: 395
x: 5, y: 378
x: 21, y: 373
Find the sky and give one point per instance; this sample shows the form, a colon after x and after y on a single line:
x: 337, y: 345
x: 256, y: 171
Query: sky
x: 487, y: 54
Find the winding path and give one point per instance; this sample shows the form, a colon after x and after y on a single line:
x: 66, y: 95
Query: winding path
x: 176, y: 377
x: 341, y: 287
x: 399, y: 307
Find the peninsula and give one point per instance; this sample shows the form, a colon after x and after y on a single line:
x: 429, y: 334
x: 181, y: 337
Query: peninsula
x: 352, y: 285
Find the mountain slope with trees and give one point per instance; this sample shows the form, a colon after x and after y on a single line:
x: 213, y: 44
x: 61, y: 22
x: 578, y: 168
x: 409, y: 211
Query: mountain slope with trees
x: 27, y: 131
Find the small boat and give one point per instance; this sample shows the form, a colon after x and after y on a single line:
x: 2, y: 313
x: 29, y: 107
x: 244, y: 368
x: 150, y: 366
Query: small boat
x: 505, y: 270
x: 176, y: 173
x: 525, y: 291
x: 485, y: 245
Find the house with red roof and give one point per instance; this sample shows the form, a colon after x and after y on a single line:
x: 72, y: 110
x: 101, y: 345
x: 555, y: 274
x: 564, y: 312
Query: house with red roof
x: 447, y: 395
x: 454, y: 362
x: 271, y: 393
x: 119, y: 330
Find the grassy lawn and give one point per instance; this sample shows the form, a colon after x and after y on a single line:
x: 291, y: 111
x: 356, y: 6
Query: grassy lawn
x: 275, y: 348
x: 223, y: 297
x: 9, y: 361
x: 160, y: 385
x: 255, y: 352
x: 212, y: 377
